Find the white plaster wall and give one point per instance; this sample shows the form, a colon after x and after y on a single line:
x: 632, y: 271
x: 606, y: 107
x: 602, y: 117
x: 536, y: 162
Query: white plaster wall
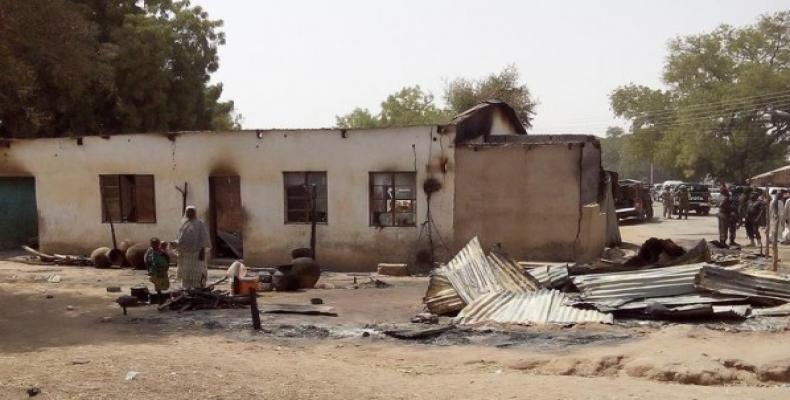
x: 69, y: 203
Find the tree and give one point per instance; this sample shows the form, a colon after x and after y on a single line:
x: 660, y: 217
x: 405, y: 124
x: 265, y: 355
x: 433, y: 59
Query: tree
x: 106, y: 66
x: 408, y: 106
x: 49, y: 67
x: 462, y: 93
x: 359, y: 118
x: 724, y: 112
x: 413, y: 106
x: 614, y: 132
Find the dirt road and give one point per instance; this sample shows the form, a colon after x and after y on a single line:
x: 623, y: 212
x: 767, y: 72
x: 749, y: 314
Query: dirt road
x: 70, y: 340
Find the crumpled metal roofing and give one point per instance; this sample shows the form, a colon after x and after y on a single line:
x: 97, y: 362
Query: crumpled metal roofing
x: 609, y: 291
x: 731, y: 282
x: 472, y: 274
x: 545, y: 306
x: 441, y: 298
x: 682, y: 300
x: 549, y: 275
x: 699, y: 311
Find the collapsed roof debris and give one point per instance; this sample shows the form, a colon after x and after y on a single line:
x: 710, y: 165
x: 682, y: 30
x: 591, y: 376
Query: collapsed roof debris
x: 545, y: 306
x: 549, y: 275
x: 610, y: 290
x: 494, y: 289
x: 726, y: 281
x: 472, y: 274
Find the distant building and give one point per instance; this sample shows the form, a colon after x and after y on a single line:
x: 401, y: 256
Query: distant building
x: 536, y: 197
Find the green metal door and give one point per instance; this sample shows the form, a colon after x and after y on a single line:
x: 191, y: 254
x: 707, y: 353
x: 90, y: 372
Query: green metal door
x: 18, y: 218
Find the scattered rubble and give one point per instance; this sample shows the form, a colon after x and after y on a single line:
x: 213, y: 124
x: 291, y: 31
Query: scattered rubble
x: 58, y: 259
x: 203, y: 299
x: 306, y: 309
x: 393, y: 269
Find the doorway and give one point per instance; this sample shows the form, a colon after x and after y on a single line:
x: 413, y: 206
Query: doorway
x: 227, y: 217
x: 18, y: 214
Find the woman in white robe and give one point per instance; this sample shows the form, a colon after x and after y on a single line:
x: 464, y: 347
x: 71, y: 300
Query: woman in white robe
x: 192, y: 243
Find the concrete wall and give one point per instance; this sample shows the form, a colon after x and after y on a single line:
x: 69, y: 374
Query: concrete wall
x: 69, y: 203
x: 526, y: 198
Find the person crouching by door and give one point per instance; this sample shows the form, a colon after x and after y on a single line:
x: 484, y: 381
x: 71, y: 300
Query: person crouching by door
x: 192, y: 241
x: 158, y: 262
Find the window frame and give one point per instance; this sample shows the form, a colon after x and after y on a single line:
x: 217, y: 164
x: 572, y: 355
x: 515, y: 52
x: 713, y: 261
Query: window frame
x: 286, y: 209
x: 106, y: 215
x: 393, y: 186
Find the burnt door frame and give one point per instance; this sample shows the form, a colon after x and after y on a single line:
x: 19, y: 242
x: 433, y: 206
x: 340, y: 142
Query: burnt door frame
x: 212, y: 201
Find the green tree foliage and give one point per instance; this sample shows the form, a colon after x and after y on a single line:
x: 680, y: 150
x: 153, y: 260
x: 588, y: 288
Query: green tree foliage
x: 618, y: 154
x: 76, y: 67
x: 408, y: 106
x: 462, y: 94
x: 414, y: 106
x: 725, y: 112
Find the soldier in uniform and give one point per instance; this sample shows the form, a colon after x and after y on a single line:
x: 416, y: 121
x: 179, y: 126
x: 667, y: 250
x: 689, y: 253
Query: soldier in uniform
x: 683, y: 202
x: 734, y: 220
x: 755, y: 217
x: 726, y: 214
x: 744, y: 201
x: 666, y: 200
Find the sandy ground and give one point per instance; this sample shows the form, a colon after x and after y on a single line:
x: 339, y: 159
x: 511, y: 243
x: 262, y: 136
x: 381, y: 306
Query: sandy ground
x: 70, y: 340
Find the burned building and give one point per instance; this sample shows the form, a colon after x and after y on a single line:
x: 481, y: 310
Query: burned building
x: 381, y: 195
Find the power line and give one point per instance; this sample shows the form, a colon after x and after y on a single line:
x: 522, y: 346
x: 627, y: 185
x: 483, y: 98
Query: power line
x: 665, y: 122
x: 731, y: 101
x: 711, y: 107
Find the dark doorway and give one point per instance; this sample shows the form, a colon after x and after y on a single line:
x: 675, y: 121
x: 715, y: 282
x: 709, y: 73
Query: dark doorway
x: 227, y: 216
x: 18, y: 215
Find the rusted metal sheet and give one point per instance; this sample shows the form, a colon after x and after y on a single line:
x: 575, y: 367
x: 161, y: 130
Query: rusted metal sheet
x: 549, y: 275
x: 472, y: 274
x: 441, y: 298
x: 729, y: 282
x: 545, y: 306
x: 611, y: 290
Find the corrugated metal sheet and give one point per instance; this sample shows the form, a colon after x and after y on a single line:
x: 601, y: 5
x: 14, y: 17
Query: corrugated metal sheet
x: 698, y: 311
x: 779, y: 311
x: 541, y: 307
x: 611, y: 290
x: 549, y: 275
x: 441, y: 298
x: 472, y: 274
x: 673, y: 301
x: 730, y: 282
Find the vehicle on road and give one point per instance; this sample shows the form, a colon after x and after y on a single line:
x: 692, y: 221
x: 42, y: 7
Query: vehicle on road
x: 699, y: 198
x: 671, y: 185
x: 632, y: 200
x: 715, y: 195
x: 656, y: 192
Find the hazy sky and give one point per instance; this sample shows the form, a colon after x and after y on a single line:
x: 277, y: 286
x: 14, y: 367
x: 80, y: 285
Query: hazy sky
x: 297, y: 64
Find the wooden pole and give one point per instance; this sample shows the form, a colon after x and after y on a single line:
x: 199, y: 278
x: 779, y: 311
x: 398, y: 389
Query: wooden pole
x: 256, y: 315
x: 184, y: 192
x: 775, y: 239
x: 109, y: 219
x: 312, y: 221
x: 767, y: 217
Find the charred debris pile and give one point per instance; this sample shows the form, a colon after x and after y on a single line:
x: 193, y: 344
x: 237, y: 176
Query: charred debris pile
x: 660, y: 281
